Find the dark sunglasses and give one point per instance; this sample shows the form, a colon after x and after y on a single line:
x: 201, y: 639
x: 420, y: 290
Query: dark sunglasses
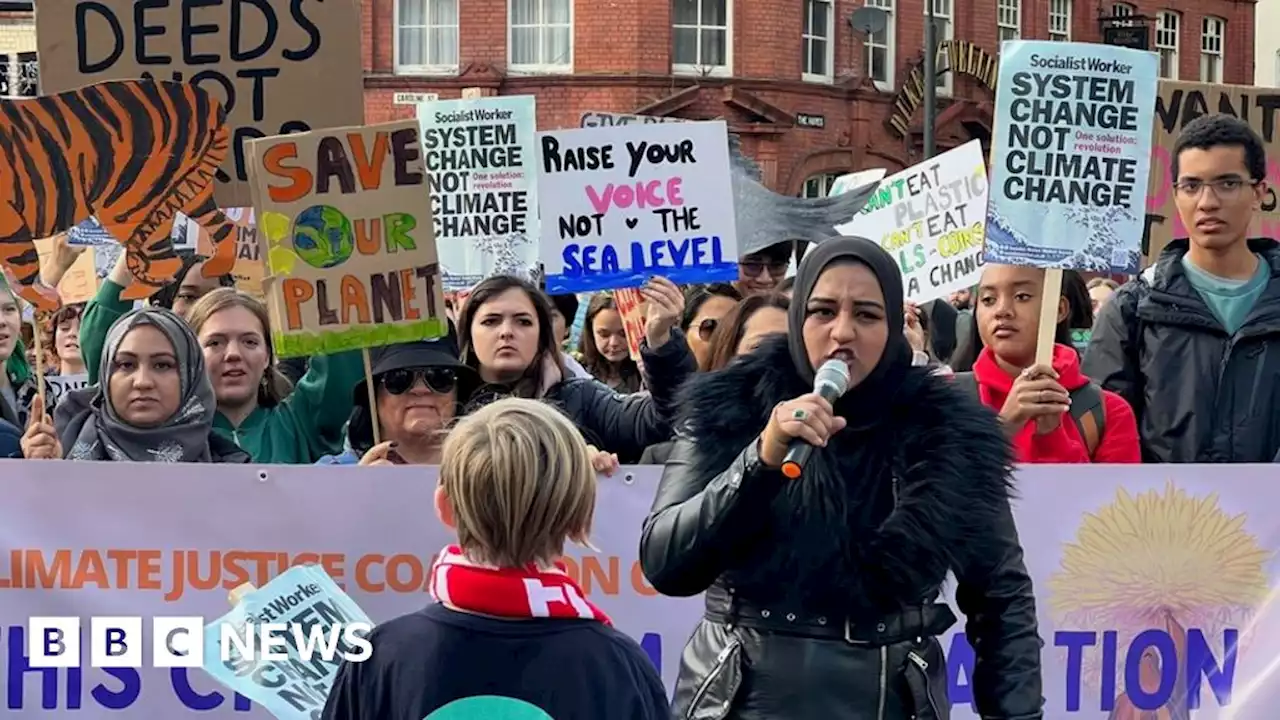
x: 706, y: 327
x: 437, y: 379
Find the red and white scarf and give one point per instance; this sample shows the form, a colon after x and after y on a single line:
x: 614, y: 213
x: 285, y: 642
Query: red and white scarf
x: 509, y: 592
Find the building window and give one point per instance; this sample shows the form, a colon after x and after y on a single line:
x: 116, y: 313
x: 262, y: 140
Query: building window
x: 945, y: 32
x: 541, y: 38
x: 1167, y: 25
x: 1124, y: 10
x: 702, y: 37
x: 1009, y: 19
x: 1060, y: 20
x: 426, y: 37
x: 819, y: 186
x: 879, y: 47
x: 819, y: 16
x: 1211, y: 32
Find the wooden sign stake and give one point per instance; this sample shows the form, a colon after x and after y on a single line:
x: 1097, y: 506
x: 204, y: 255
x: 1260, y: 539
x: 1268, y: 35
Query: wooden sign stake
x: 373, y: 396
x: 1048, y: 316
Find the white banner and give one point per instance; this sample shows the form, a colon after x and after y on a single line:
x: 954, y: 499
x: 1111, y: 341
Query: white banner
x: 1156, y: 572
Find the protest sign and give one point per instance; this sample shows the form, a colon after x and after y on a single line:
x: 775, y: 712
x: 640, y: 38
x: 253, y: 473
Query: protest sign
x: 631, y: 308
x: 313, y: 612
x: 1072, y: 151
x: 622, y: 204
x: 481, y: 170
x: 350, y: 250
x: 154, y: 148
x: 80, y: 282
x: 89, y: 233
x: 1178, y: 104
x: 260, y: 59
x: 1135, y: 566
x: 930, y: 218
x: 57, y: 386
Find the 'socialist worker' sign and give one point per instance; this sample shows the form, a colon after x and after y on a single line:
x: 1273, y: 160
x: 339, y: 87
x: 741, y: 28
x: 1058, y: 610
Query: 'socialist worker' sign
x: 347, y: 220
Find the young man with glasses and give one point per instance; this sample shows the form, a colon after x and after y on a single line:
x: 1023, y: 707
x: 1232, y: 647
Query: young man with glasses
x: 1192, y: 342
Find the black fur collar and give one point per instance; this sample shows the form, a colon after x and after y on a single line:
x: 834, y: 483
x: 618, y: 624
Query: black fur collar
x: 881, y: 514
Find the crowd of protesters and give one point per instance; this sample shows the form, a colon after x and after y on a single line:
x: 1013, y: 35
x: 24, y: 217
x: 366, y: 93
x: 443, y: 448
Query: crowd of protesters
x: 530, y: 397
x: 1174, y: 365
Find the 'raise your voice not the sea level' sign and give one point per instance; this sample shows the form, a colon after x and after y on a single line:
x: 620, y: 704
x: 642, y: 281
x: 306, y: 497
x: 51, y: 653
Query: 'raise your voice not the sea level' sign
x: 621, y: 204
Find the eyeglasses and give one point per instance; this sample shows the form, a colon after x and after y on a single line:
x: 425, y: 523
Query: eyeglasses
x: 1226, y: 188
x: 438, y: 380
x: 753, y: 268
x: 706, y: 327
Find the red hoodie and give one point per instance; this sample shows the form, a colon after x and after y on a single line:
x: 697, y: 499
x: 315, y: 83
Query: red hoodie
x: 1119, y: 441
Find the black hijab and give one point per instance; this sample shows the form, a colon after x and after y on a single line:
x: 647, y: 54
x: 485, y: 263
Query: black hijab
x: 873, y: 395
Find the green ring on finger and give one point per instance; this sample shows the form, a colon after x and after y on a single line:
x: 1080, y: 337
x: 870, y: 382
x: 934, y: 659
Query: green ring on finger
x: 799, y: 414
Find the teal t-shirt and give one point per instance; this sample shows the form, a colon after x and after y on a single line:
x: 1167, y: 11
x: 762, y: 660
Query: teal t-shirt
x: 1230, y: 300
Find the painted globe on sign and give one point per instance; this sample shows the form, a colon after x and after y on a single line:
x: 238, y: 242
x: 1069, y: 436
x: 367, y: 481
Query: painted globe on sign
x: 489, y: 707
x: 322, y: 236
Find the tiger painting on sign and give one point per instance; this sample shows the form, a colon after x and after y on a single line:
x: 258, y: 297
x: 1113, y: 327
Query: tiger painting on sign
x: 132, y: 153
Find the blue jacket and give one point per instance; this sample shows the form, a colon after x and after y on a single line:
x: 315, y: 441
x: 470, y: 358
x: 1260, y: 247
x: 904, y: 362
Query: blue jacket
x: 10, y: 440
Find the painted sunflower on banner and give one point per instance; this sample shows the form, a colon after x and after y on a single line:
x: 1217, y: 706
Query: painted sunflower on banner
x: 1158, y: 560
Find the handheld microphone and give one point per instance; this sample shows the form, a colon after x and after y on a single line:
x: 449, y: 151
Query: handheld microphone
x: 831, y: 382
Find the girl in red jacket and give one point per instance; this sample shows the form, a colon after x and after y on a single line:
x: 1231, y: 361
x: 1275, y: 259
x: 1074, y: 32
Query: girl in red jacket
x: 1034, y: 401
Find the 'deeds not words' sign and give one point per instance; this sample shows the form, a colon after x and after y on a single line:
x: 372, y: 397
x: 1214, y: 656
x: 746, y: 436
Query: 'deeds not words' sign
x: 930, y: 218
x: 277, y: 66
x: 1072, y: 142
x: 482, y: 173
x: 621, y: 204
x: 346, y: 219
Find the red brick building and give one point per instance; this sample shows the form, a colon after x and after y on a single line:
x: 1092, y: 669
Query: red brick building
x: 811, y: 96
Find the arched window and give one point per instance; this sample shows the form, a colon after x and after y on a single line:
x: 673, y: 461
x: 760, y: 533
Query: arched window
x: 818, y: 186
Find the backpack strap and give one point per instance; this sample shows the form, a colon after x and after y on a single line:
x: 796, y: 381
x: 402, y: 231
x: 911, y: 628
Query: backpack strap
x: 1087, y: 410
x: 1089, y: 414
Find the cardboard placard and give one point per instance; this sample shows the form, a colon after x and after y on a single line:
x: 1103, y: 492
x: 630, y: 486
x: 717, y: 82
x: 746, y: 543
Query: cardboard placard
x: 346, y: 216
x: 153, y: 147
x: 80, y: 283
x: 631, y: 308
x: 1179, y: 103
x: 482, y: 168
x: 931, y: 219
x: 622, y: 204
x: 1072, y: 143
x: 264, y: 60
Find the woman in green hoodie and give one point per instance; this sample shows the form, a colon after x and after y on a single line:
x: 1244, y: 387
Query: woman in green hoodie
x: 256, y: 409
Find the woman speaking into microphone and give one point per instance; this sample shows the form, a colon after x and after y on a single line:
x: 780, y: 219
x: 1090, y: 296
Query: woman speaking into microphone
x: 822, y: 592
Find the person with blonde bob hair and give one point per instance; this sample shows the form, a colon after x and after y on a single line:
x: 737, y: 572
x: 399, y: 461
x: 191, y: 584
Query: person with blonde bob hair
x: 511, y: 631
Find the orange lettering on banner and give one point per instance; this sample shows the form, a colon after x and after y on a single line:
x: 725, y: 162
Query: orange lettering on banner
x: 592, y: 575
x: 187, y: 570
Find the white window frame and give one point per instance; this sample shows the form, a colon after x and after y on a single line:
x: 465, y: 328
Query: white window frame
x: 539, y: 68
x: 1213, y: 35
x: 1008, y: 20
x: 1168, y: 40
x: 1123, y: 9
x: 809, y: 7
x: 725, y: 70
x: 429, y: 69
x: 944, y: 10
x: 822, y: 181
x: 1060, y: 20
x: 890, y: 46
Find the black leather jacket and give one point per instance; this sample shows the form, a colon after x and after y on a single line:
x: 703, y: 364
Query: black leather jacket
x: 821, y: 593
x: 621, y: 424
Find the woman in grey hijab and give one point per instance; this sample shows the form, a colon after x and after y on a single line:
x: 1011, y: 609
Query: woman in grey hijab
x: 154, y: 402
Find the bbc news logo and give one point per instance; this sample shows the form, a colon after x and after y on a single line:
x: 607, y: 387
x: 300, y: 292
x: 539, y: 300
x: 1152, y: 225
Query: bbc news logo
x: 179, y: 642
